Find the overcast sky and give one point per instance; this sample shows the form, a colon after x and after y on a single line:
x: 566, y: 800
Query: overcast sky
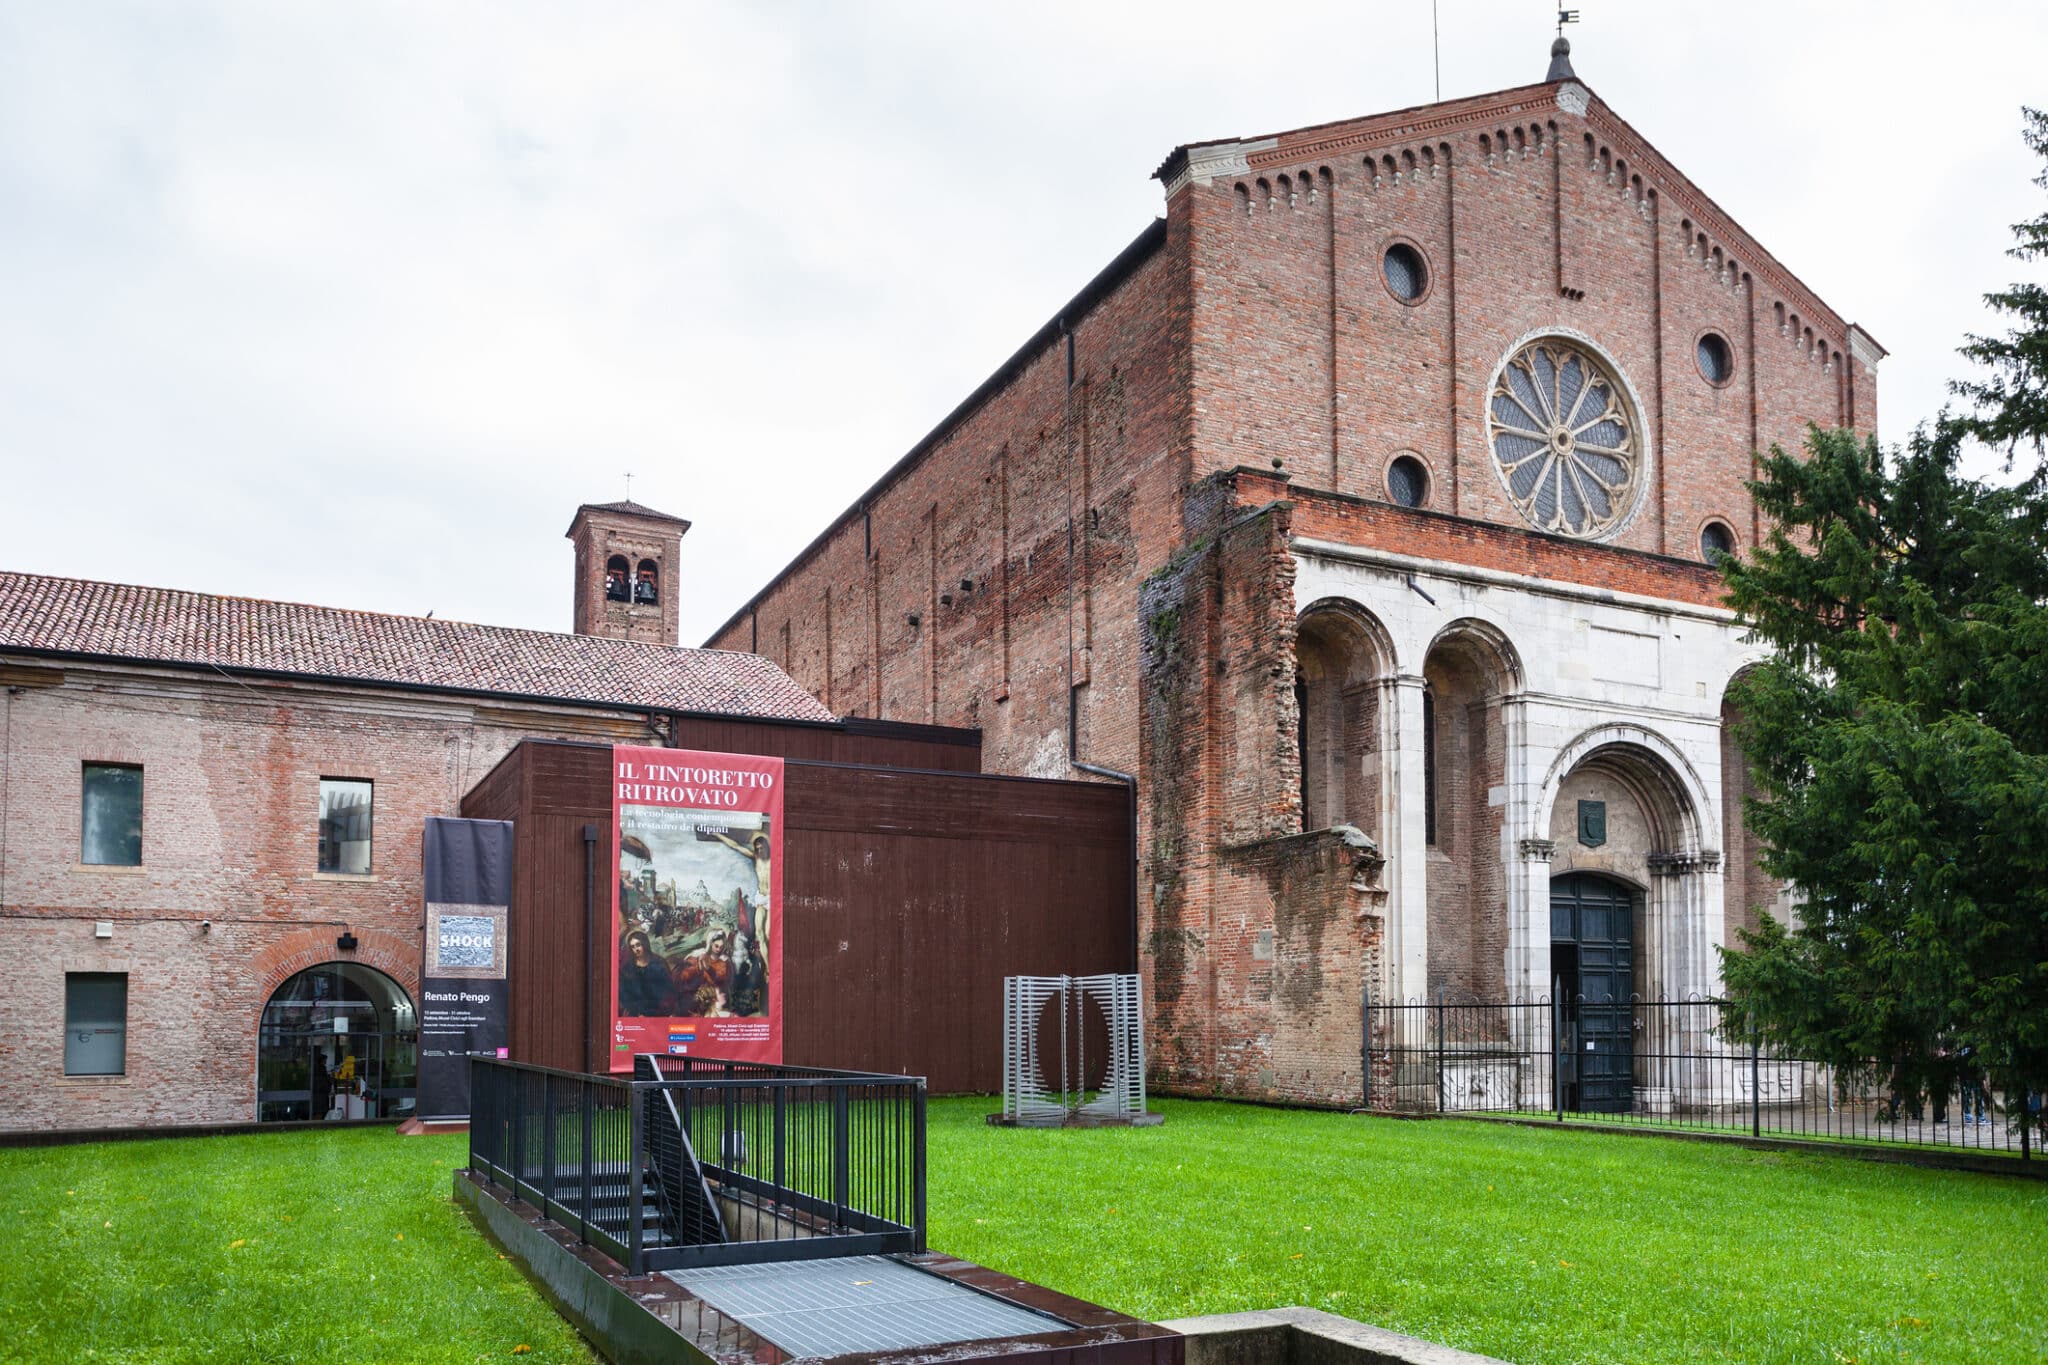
x: 353, y: 304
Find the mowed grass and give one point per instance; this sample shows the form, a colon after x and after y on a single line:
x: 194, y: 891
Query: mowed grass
x: 300, y: 1246
x: 1529, y: 1244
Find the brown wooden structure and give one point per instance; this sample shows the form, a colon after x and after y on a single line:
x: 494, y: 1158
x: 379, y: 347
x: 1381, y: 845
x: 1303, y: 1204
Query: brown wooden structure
x: 909, y: 892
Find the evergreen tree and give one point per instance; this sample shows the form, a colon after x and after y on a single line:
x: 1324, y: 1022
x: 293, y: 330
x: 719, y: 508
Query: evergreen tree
x: 1899, y: 734
x: 2011, y: 405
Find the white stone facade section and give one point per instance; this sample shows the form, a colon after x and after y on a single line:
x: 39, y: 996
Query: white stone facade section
x: 1633, y: 681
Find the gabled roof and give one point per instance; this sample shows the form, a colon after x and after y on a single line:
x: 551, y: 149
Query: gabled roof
x: 1419, y: 122
x: 79, y: 618
x: 625, y: 508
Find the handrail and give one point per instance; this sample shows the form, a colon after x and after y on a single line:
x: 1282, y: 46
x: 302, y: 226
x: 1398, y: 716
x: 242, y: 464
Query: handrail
x: 727, y: 1163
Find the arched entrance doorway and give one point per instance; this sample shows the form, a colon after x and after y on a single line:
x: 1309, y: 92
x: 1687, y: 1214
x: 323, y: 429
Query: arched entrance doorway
x: 337, y: 1041
x: 1592, y: 963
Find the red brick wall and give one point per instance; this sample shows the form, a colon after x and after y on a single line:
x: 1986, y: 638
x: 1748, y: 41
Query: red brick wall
x: 972, y: 540
x: 230, y: 809
x: 1531, y: 218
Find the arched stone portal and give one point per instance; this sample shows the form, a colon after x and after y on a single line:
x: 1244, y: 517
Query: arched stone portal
x: 1623, y: 803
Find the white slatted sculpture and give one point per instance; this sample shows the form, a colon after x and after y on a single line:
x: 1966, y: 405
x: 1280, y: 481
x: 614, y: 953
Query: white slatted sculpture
x: 1045, y: 1053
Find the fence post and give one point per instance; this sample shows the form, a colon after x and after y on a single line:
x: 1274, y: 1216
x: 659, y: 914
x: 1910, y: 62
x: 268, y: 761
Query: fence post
x: 781, y: 1094
x: 1756, y: 1115
x: 1365, y: 1043
x: 917, y: 1157
x: 518, y: 1115
x: 635, y: 1179
x: 589, y: 1141
x: 841, y: 1160
x: 1557, y: 1043
x: 547, y: 1144
x: 1439, y: 1049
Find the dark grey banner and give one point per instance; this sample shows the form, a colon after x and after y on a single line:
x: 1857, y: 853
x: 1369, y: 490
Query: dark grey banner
x: 463, y: 1009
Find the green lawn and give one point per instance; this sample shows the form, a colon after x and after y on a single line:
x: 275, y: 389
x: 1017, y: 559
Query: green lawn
x: 1531, y: 1244
x: 302, y: 1246
x: 1535, y: 1245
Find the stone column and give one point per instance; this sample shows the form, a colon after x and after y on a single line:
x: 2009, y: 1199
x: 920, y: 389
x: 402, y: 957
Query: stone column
x: 1529, y: 886
x: 1685, y: 896
x: 1406, y: 837
x: 1526, y: 973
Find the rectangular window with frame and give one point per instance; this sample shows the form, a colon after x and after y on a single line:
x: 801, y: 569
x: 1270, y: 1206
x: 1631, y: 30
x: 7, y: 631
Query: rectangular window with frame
x: 345, y: 811
x: 110, y: 815
x: 95, y: 1023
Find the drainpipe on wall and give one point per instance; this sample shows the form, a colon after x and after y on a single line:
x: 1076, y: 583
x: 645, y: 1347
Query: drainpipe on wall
x: 590, y: 834
x: 1131, y: 787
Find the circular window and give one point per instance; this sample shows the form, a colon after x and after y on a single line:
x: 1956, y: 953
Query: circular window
x: 1716, y: 542
x: 1406, y: 274
x: 1564, y: 440
x: 1716, y: 361
x: 1408, y: 481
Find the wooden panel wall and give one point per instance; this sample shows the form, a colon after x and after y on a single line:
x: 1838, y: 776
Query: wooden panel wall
x: 884, y: 743
x: 908, y: 896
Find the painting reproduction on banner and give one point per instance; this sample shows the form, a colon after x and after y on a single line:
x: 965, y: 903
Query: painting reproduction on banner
x: 696, y: 905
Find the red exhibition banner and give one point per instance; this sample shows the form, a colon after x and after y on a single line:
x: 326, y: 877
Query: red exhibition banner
x: 696, y: 905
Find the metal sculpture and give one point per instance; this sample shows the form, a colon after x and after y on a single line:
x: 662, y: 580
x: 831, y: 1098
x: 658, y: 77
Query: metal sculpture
x: 1045, y: 1052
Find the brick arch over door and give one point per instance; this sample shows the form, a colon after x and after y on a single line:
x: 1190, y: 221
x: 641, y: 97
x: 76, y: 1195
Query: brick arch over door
x: 396, y: 957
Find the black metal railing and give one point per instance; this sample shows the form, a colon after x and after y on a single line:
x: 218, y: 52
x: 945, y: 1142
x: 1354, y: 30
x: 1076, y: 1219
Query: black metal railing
x: 1689, y: 1064
x: 698, y: 1161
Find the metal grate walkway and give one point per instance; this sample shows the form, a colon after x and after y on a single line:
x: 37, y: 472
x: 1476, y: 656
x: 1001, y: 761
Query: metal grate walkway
x: 855, y: 1304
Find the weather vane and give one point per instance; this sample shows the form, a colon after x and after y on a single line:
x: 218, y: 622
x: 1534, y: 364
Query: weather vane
x: 1566, y: 16
x: 629, y: 485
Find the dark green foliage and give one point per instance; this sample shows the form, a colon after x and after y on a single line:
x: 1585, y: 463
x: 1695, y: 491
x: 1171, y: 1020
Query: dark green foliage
x: 1900, y: 736
x: 2012, y: 405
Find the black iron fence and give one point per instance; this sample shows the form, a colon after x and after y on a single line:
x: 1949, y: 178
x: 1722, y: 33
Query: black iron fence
x: 1690, y: 1064
x: 696, y: 1162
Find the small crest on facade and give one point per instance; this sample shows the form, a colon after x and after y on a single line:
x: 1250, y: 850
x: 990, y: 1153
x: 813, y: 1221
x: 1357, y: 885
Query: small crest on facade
x: 1592, y: 823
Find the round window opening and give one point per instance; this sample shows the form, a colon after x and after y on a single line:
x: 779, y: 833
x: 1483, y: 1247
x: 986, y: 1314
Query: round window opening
x: 1406, y: 274
x: 1717, y: 362
x: 1564, y: 440
x: 1717, y: 542
x: 1408, y: 481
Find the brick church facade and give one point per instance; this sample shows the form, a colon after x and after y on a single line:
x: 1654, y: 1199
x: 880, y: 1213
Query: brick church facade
x: 1363, y: 510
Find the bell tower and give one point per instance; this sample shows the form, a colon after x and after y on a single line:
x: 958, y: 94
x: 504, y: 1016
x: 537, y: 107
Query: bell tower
x: 626, y: 571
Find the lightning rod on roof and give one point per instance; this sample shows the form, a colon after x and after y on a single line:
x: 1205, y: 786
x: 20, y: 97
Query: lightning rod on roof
x: 1436, y: 53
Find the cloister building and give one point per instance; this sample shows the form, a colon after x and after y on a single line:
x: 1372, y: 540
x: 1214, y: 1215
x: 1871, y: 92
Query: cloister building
x: 1365, y: 511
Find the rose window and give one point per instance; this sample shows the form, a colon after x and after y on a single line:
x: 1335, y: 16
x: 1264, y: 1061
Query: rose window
x: 1563, y: 439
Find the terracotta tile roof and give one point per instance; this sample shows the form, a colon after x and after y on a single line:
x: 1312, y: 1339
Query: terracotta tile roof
x: 76, y: 616
x: 627, y: 508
